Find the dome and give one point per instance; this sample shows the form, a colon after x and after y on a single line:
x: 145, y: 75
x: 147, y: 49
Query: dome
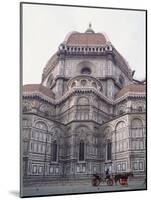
x: 88, y: 38
x: 137, y: 88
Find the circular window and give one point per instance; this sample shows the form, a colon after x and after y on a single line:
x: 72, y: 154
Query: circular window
x: 85, y: 70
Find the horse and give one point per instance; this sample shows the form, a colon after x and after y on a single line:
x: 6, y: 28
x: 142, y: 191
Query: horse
x: 98, y: 178
x: 125, y: 176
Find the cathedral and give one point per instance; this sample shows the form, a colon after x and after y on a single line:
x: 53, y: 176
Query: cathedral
x: 87, y: 114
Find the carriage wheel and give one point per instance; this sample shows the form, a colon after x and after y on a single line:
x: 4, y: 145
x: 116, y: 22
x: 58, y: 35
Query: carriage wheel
x: 109, y: 182
x: 95, y: 182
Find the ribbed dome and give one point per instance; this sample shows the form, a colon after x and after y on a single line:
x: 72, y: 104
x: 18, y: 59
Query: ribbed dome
x: 86, y: 39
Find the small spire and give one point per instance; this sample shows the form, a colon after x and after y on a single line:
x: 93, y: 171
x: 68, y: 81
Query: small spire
x: 89, y: 30
x: 90, y: 25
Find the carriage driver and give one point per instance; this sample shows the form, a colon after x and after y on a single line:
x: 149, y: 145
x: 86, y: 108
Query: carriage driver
x: 107, y: 174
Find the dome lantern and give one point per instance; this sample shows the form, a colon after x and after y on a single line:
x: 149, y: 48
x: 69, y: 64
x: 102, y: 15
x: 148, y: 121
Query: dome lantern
x: 90, y: 30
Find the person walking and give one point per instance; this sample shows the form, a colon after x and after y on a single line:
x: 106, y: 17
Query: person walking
x: 107, y: 174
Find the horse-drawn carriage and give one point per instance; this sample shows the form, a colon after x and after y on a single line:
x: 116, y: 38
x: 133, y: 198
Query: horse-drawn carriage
x: 122, y: 178
x: 97, y: 179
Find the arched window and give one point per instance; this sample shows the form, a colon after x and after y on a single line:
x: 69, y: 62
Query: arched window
x: 109, y: 150
x: 120, y: 126
x: 54, y: 151
x: 138, y: 141
x: 86, y: 70
x: 121, y: 134
x: 81, y: 151
x: 136, y: 123
x: 83, y: 109
x: 137, y: 128
x: 108, y: 143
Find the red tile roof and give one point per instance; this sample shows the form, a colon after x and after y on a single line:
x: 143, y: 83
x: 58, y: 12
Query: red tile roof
x: 131, y: 88
x: 38, y: 88
x: 86, y: 39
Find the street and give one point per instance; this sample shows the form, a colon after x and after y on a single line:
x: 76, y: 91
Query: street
x: 79, y: 188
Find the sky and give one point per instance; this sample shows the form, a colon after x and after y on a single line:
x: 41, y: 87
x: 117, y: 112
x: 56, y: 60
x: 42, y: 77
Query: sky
x: 45, y: 28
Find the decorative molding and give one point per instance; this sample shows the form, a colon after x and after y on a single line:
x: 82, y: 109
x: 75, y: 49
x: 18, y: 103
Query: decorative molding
x: 84, y: 90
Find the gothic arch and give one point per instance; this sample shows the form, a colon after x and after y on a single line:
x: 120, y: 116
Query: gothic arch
x: 119, y: 125
x: 137, y: 133
x: 120, y: 132
x: 136, y: 123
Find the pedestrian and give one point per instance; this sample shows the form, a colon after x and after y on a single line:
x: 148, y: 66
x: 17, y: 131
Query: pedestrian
x: 107, y: 174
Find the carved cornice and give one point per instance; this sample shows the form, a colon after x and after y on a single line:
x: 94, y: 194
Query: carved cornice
x: 131, y: 94
x: 84, y: 90
x: 40, y: 95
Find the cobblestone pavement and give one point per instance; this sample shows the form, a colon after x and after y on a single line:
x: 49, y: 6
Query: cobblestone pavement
x: 80, y: 188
